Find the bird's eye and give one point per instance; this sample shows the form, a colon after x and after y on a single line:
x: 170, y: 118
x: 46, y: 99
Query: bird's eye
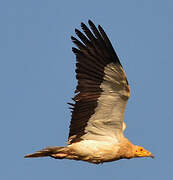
x: 141, y: 149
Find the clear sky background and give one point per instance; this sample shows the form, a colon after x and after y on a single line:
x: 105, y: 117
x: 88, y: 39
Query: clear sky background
x: 37, y: 79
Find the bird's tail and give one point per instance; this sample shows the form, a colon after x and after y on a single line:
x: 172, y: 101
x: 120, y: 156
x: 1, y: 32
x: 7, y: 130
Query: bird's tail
x: 53, y: 151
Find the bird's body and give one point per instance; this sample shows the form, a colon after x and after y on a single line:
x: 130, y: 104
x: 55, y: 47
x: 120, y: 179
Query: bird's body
x: 96, y: 129
x: 94, y: 151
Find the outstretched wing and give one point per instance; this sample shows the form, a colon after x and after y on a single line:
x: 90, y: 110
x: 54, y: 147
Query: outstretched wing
x: 102, y: 91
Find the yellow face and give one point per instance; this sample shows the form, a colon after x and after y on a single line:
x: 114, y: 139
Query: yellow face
x: 141, y: 152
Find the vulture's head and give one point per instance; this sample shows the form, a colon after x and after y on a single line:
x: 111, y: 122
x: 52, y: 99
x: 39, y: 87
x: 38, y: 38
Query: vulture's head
x: 141, y: 152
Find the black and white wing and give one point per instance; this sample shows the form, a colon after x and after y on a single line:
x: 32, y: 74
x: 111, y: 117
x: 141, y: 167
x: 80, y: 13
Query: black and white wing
x: 102, y: 91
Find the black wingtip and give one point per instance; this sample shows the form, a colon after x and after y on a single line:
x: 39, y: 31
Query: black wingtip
x: 90, y: 22
x: 76, y: 30
x: 71, y: 104
x: 72, y: 38
x: 82, y: 24
x: 102, y: 31
x: 75, y: 50
x: 100, y: 27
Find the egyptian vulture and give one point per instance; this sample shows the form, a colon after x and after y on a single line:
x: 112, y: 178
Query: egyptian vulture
x: 96, y: 129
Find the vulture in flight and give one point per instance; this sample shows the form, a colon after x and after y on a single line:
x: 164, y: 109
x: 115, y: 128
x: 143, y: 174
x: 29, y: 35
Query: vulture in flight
x: 96, y: 129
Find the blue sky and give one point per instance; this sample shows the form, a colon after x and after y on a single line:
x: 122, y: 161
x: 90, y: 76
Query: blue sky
x: 37, y: 80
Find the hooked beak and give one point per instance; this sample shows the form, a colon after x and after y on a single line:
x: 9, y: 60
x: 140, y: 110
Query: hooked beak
x: 151, y: 155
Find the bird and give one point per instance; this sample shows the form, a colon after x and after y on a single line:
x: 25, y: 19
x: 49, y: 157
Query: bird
x: 96, y: 132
